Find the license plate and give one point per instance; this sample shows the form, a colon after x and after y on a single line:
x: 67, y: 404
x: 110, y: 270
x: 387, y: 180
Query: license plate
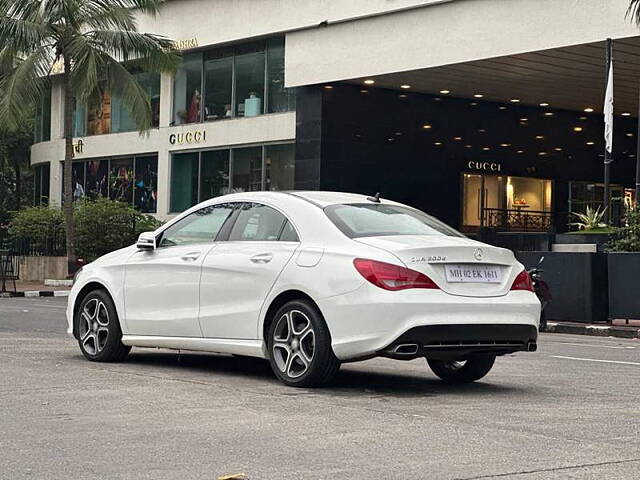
x: 473, y: 273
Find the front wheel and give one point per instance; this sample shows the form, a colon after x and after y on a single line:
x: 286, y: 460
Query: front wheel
x: 299, y: 345
x: 462, y: 371
x: 99, y: 334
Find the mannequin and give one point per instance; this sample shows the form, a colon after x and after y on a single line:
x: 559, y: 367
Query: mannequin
x: 194, y: 109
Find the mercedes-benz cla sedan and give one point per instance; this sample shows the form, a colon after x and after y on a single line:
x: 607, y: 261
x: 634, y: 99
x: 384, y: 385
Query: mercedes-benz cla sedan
x: 308, y: 280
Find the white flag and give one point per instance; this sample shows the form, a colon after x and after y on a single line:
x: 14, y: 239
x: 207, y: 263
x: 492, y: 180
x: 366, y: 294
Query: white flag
x: 608, y: 112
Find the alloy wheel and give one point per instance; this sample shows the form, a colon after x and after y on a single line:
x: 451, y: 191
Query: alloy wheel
x: 94, y: 326
x: 293, y: 343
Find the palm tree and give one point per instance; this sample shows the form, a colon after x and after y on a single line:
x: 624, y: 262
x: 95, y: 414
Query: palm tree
x: 90, y: 43
x: 634, y: 11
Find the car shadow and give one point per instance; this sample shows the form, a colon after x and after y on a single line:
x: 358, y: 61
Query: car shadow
x: 350, y: 381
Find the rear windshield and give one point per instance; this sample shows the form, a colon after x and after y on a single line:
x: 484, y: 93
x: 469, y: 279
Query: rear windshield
x: 373, y: 220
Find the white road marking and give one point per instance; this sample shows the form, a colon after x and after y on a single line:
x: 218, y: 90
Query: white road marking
x: 592, y: 345
x: 618, y: 362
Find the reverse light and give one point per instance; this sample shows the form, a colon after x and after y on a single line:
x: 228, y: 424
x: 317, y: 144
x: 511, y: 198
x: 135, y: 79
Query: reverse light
x: 392, y: 277
x: 523, y: 282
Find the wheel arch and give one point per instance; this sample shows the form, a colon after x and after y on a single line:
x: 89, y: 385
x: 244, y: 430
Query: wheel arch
x: 84, y: 291
x: 279, y: 301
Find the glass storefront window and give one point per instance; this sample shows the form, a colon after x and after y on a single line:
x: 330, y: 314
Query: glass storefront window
x: 146, y: 184
x: 187, y: 94
x: 214, y: 174
x: 247, y: 169
x: 184, y: 181
x: 249, y: 70
x: 41, y: 184
x: 77, y: 182
x: 97, y: 178
x: 42, y: 120
x: 279, y: 167
x: 218, y: 79
x: 121, y: 180
x: 99, y: 116
x: 121, y: 119
x: 79, y: 119
x: 281, y: 99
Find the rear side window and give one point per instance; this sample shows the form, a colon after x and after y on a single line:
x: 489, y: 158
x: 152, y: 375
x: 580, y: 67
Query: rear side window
x: 289, y: 233
x: 373, y: 220
x: 257, y: 223
x: 200, y: 226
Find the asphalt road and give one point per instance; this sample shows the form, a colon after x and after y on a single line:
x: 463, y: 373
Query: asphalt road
x: 571, y: 410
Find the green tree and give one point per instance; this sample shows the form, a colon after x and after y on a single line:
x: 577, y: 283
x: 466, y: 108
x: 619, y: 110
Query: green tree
x: 627, y: 238
x: 92, y: 42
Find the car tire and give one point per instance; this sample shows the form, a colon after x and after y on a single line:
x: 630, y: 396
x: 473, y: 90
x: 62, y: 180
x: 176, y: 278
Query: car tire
x: 98, y: 327
x: 299, y: 345
x: 462, y: 371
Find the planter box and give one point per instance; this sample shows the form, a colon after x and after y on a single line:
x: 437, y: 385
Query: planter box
x: 599, y: 239
x: 624, y: 296
x: 578, y: 283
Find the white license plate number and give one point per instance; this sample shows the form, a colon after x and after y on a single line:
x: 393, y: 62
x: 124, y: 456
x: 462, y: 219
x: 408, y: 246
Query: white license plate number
x: 473, y: 273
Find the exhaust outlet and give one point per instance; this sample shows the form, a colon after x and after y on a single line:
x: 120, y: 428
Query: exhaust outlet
x: 406, y: 349
x: 532, y: 347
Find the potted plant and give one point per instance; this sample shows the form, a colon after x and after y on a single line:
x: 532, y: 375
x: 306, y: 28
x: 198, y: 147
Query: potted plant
x: 591, y: 230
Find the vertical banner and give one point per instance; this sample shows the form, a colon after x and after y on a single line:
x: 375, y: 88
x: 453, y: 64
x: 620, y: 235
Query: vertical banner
x: 608, y: 113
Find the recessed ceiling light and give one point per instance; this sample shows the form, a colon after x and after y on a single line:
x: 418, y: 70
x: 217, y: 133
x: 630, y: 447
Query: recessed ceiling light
x: 403, y: 95
x: 482, y: 130
x: 445, y: 92
x: 328, y: 87
x: 588, y: 110
x: 437, y: 99
x: 369, y: 82
x: 398, y: 133
x: 502, y: 107
x: 478, y: 95
x: 505, y: 144
x: 524, y: 119
x: 548, y: 114
x: 558, y: 149
x: 486, y: 149
x: 539, y: 137
x: 364, y: 91
x: 626, y: 114
x: 405, y: 86
x: 426, y: 126
x: 473, y: 104
x: 457, y: 139
x: 520, y: 151
x: 542, y: 153
x: 437, y: 143
x: 629, y: 134
x: 577, y: 129
x: 584, y: 118
x: 468, y: 146
x: 544, y: 104
x: 591, y: 143
x: 515, y: 100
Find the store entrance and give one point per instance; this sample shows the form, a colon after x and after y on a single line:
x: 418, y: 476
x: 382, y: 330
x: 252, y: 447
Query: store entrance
x: 506, y: 203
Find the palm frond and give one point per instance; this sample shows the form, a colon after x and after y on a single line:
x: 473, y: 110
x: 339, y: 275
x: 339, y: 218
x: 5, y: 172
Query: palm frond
x: 23, y: 86
x: 22, y: 35
x: 102, y: 15
x: 633, y: 11
x: 152, y: 52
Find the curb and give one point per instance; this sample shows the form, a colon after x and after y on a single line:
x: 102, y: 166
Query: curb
x: 36, y: 293
x: 594, y: 330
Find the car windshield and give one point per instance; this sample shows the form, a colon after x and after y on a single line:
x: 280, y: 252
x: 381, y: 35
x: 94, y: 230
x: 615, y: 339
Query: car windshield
x: 372, y: 220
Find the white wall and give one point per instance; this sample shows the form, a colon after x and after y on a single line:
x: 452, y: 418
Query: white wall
x: 453, y: 32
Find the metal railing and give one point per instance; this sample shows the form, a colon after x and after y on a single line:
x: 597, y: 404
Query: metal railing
x: 517, y: 220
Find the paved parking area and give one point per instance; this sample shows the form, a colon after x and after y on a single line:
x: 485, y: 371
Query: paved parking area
x: 571, y: 410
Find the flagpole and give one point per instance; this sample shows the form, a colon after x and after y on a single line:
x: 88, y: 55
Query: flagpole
x: 637, y: 199
x: 607, y: 154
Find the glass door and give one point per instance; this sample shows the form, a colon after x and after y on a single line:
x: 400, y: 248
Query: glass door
x: 481, y: 194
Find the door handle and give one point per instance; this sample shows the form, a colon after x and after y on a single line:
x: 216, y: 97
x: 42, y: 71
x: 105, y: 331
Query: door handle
x: 191, y: 257
x: 262, y: 258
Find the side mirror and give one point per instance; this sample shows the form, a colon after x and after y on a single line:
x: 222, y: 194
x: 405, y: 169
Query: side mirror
x: 146, y: 241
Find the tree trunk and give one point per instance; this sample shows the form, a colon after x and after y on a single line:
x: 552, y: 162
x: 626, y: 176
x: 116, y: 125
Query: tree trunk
x: 18, y: 173
x: 67, y: 197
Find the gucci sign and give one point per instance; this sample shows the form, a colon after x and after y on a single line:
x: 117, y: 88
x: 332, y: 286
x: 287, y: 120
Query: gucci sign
x: 485, y: 166
x: 195, y: 136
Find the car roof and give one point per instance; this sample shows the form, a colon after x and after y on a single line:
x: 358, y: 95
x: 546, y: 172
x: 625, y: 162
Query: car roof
x: 318, y: 198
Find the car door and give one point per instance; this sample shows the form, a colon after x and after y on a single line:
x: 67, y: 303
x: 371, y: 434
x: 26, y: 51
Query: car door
x: 162, y: 285
x: 239, y: 273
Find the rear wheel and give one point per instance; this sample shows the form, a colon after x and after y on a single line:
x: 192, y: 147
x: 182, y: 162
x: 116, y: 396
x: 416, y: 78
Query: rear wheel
x: 299, y: 345
x: 99, y: 334
x: 462, y: 371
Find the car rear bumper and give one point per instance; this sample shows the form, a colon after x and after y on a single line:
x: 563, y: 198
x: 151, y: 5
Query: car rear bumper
x: 372, y: 322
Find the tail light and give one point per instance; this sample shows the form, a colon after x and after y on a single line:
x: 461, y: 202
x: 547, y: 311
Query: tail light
x: 392, y: 277
x: 523, y: 282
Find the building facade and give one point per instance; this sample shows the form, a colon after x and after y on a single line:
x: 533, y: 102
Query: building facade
x: 482, y: 112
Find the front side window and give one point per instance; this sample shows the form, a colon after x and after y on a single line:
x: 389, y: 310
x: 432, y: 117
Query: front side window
x: 201, y: 226
x: 257, y: 223
x: 373, y: 220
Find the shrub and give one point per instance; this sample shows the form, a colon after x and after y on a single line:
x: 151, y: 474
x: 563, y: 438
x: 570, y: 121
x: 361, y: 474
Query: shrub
x: 103, y: 225
x: 37, y: 228
x: 627, y: 238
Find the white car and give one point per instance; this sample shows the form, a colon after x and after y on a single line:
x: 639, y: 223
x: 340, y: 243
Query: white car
x: 308, y: 280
